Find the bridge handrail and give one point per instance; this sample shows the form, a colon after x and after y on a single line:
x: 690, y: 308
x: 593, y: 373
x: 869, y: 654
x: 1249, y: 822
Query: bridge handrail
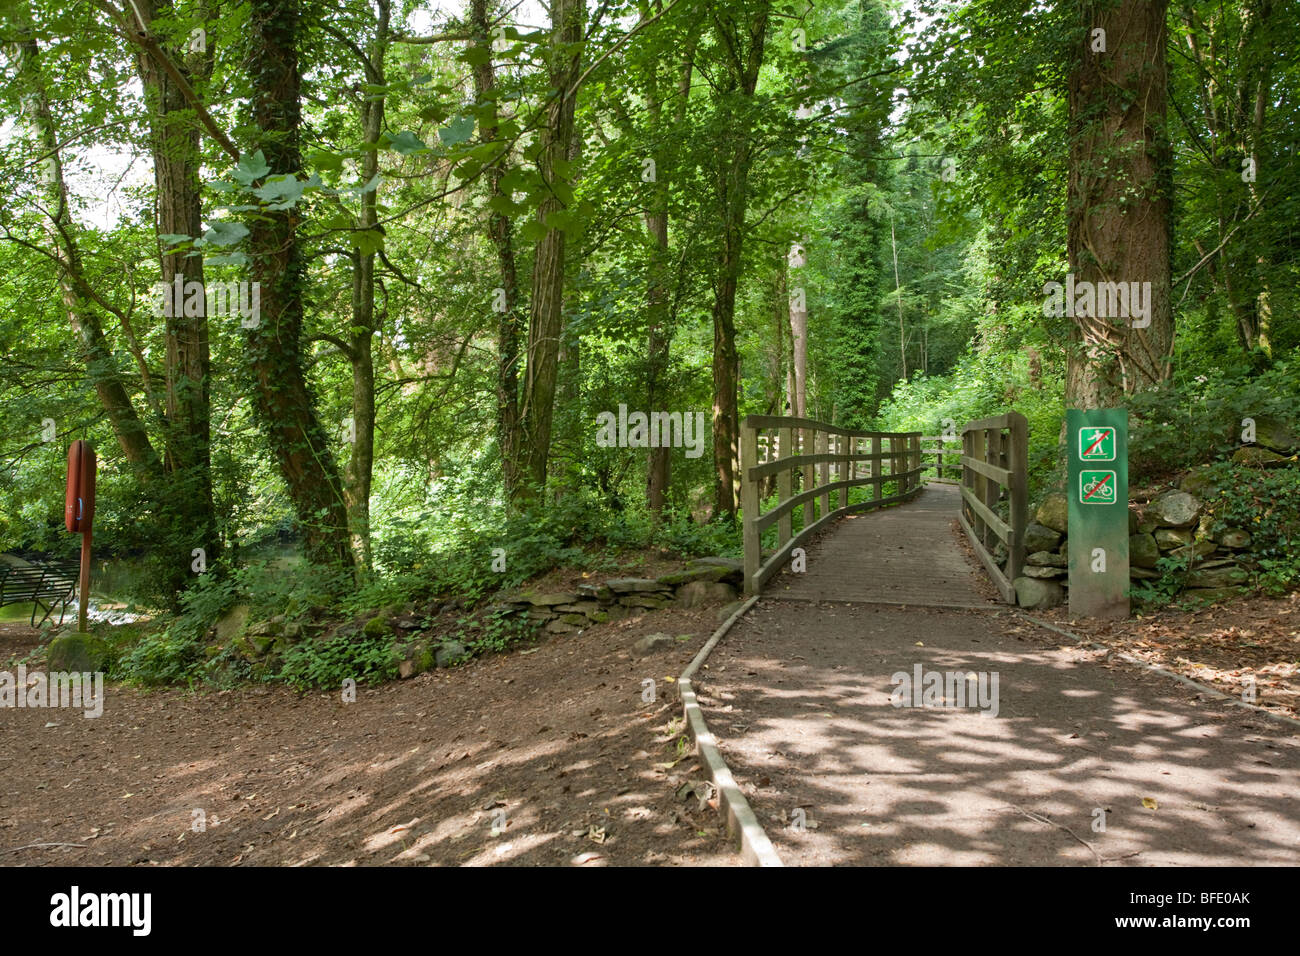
x: 939, y: 453
x: 830, y: 446
x: 994, y: 465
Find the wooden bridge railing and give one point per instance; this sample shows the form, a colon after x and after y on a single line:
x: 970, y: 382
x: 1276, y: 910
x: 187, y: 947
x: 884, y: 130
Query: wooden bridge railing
x: 994, y: 459
x: 790, y: 445
x: 946, y: 454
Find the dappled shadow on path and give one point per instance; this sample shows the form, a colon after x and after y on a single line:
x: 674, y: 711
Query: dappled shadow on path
x: 799, y: 696
x: 556, y: 746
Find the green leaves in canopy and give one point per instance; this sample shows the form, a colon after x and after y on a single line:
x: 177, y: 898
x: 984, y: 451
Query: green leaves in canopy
x: 457, y: 131
x: 224, y: 234
x: 284, y: 191
x: 250, y: 168
x: 404, y: 142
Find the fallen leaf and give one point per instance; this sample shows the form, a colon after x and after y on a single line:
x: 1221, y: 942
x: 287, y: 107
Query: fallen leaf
x: 1150, y: 803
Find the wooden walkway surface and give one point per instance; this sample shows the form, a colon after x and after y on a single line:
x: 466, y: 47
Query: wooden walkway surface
x: 907, y: 554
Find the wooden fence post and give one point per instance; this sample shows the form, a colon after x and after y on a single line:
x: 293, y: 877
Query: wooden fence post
x: 1018, y: 510
x: 824, y: 471
x: 749, y: 504
x: 784, y: 486
x: 843, y: 442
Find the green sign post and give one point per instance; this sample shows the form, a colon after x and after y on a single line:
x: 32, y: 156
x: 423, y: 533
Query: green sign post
x: 1098, y: 494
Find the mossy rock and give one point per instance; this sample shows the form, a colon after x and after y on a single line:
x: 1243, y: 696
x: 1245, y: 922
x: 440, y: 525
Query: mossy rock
x: 261, y: 643
x: 1054, y: 513
x: 1039, y: 537
x: 1211, y: 595
x: 451, y: 653
x: 1198, y: 482
x: 1143, y: 552
x: 538, y: 599
x: 232, y: 623
x: 1277, y: 434
x: 1215, y: 578
x: 377, y: 626
x: 702, y: 573
x: 77, y: 652
x: 1255, y: 456
x: 1169, y: 538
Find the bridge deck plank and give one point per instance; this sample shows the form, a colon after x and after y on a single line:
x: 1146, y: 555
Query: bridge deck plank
x: 902, y: 555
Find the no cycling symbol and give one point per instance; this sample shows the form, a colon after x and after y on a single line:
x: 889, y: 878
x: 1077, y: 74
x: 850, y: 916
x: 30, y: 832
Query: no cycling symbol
x: 1097, y: 487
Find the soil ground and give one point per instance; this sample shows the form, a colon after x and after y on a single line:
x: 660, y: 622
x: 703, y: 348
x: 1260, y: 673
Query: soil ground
x: 554, y: 742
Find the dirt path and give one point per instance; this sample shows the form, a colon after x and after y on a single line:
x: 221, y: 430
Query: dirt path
x: 556, y: 744
x: 799, y: 696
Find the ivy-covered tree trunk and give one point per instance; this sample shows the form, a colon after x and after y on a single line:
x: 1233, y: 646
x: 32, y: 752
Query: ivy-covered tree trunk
x: 174, y: 144
x: 282, y: 399
x: 546, y: 319
x: 501, y: 231
x: 742, y: 42
x: 1119, y: 199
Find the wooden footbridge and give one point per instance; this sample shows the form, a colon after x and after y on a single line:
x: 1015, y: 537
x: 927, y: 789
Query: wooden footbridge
x: 799, y: 476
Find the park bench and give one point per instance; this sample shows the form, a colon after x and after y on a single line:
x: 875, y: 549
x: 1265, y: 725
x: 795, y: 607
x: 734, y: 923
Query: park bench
x: 44, y: 586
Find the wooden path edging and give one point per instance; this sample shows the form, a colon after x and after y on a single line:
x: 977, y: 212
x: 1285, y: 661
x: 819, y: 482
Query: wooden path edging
x: 742, y: 824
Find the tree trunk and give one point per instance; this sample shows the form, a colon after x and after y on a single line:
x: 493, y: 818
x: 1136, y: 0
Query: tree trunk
x: 174, y: 142
x: 359, y: 472
x: 742, y: 46
x: 501, y: 231
x: 282, y: 399
x: 75, y: 292
x: 546, y: 314
x: 799, y: 338
x: 1119, y: 200
x: 659, y: 310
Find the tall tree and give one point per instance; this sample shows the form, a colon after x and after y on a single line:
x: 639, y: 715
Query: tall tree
x: 174, y: 145
x: 660, y: 311
x: 1120, y: 185
x: 501, y: 231
x: 80, y: 299
x: 282, y: 397
x: 546, y: 304
x: 741, y: 33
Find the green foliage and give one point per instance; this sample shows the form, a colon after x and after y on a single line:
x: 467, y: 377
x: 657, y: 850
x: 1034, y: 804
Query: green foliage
x: 1211, y: 407
x: 1164, y: 590
x: 1266, y: 504
x: 175, y: 652
x: 501, y: 631
x: 327, y: 664
x: 981, y: 387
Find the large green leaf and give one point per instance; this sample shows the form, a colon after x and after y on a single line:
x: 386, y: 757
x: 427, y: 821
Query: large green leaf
x: 224, y: 233
x: 457, y: 131
x: 250, y: 168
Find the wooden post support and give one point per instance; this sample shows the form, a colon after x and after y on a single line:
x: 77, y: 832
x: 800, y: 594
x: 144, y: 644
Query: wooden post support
x: 1018, y: 513
x: 877, y: 468
x: 784, y: 486
x: 843, y: 442
x: 807, y: 444
x: 749, y: 504
x: 992, y: 490
x: 824, y: 469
